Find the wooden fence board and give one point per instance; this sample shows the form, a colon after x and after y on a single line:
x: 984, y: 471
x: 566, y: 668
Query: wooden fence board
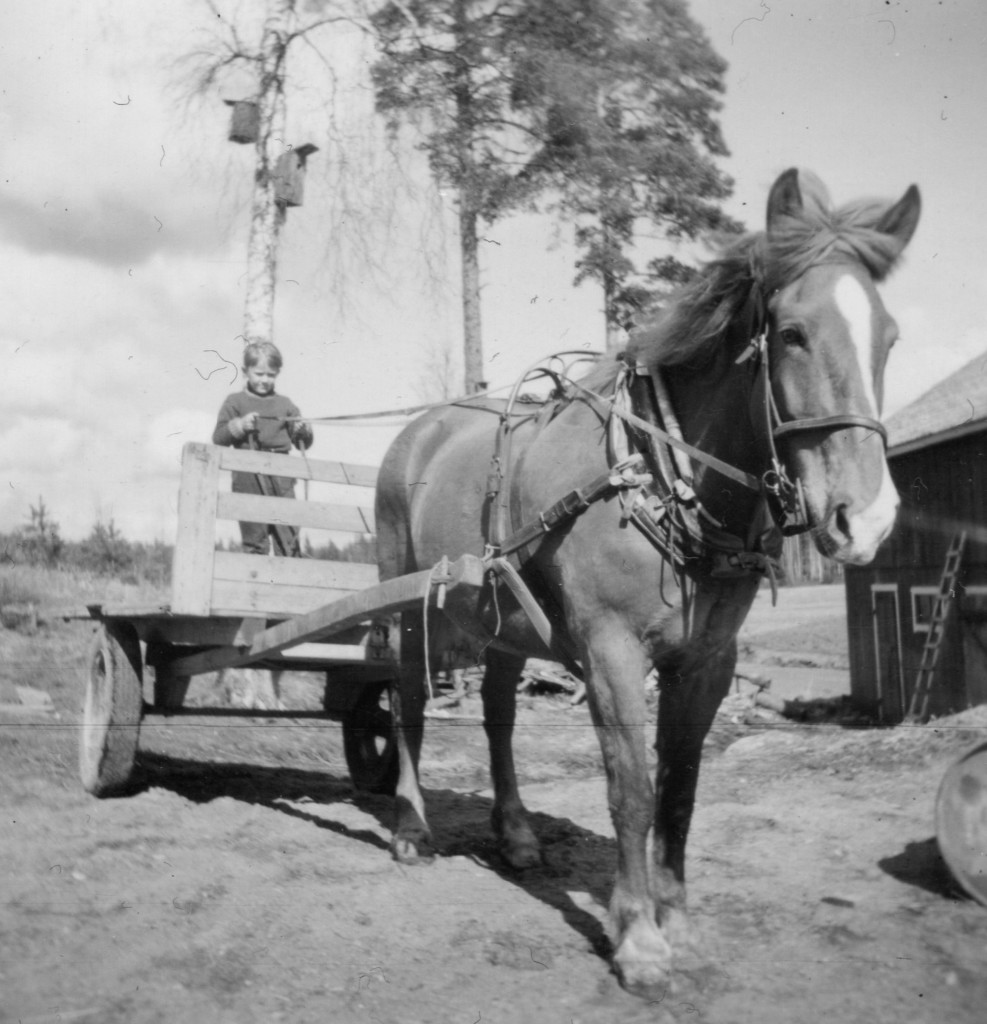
x: 385, y: 598
x: 210, y: 583
x: 318, y: 515
x: 236, y: 567
x: 273, y: 464
x: 274, y: 600
x: 193, y: 560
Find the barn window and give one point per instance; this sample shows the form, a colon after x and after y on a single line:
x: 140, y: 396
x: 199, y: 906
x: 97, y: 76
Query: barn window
x: 923, y: 605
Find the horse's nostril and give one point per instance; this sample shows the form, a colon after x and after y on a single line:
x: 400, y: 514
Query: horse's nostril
x: 841, y: 522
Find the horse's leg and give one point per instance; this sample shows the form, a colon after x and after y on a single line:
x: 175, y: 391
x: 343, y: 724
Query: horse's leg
x: 616, y: 667
x: 509, y: 818
x: 411, y: 841
x: 687, y: 705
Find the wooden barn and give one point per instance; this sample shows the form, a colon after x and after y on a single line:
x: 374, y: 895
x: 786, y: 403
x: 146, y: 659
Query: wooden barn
x: 901, y: 636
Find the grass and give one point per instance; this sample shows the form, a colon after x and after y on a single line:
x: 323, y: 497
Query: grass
x: 56, y: 588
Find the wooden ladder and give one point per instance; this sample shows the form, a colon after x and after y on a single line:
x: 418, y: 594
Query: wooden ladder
x: 919, y: 706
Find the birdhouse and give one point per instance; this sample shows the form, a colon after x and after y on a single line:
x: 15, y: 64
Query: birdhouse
x: 289, y: 175
x: 245, y: 120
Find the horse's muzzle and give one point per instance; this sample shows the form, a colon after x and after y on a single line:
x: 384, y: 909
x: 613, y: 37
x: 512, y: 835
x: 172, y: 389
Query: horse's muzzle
x: 853, y: 536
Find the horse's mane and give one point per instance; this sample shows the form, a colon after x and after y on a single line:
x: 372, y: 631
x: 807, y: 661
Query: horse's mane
x: 700, y: 313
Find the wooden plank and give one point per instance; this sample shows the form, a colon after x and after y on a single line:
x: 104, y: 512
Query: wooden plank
x: 384, y: 599
x: 152, y: 711
x: 273, y: 600
x: 192, y: 566
x: 333, y: 654
x: 321, y: 654
x: 99, y: 612
x: 164, y: 633
x: 318, y: 515
x: 246, y: 460
x: 237, y: 567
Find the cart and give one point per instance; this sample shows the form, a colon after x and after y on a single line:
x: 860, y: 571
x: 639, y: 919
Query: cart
x: 230, y: 609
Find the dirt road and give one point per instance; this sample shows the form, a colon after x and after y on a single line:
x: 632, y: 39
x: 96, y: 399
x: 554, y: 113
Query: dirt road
x: 245, y: 882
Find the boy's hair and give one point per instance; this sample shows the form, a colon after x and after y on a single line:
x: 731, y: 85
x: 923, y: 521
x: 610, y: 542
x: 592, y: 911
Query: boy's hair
x: 257, y: 351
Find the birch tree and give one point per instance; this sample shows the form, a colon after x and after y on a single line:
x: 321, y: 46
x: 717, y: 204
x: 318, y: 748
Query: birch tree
x: 258, y: 38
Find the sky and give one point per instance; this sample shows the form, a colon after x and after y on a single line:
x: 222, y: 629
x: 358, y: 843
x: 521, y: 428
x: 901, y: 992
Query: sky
x: 123, y: 219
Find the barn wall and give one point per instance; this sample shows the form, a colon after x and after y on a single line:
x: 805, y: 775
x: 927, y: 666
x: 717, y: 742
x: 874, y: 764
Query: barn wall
x: 942, y: 487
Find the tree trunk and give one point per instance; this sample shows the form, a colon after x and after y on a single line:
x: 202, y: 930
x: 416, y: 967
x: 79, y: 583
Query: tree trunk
x: 267, y: 214
x: 616, y: 337
x: 468, y: 216
x: 472, y: 331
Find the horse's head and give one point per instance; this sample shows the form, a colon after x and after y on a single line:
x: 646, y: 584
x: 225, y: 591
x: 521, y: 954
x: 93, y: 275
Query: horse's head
x: 828, y: 338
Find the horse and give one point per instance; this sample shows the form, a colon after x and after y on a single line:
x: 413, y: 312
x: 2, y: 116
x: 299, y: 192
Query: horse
x: 753, y: 410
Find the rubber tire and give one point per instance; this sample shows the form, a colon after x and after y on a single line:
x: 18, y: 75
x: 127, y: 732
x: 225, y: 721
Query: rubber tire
x: 112, y: 711
x: 370, y: 746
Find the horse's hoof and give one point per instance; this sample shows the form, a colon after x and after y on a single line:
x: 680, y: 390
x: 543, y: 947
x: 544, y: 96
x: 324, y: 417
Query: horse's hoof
x: 412, y: 849
x: 522, y: 856
x: 643, y: 964
x: 646, y: 981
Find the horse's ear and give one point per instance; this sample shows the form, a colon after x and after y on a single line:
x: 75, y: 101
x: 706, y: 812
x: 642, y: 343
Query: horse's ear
x: 785, y: 198
x: 901, y: 220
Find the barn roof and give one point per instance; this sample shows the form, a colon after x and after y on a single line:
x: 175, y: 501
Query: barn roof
x: 954, y: 407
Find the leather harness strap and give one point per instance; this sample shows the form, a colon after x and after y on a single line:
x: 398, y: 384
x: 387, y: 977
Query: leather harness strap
x: 566, y: 508
x: 731, y: 472
x: 830, y: 423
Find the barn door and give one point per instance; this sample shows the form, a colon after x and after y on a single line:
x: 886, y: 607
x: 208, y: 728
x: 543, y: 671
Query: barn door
x: 887, y: 652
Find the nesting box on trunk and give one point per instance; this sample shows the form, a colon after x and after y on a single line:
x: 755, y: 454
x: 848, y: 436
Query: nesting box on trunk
x: 289, y: 174
x: 244, y: 121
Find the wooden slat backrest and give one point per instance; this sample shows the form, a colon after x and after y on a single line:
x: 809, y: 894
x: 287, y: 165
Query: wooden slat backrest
x: 210, y: 582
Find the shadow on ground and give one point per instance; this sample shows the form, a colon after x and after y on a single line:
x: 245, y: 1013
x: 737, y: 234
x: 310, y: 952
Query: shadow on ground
x: 575, y: 859
x: 921, y: 865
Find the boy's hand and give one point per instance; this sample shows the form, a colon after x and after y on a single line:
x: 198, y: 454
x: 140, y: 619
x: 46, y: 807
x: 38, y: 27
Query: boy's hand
x: 243, y: 425
x: 301, y: 434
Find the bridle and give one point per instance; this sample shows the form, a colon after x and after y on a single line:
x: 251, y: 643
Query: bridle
x: 785, y: 496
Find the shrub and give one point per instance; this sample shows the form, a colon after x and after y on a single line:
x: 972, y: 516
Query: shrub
x: 39, y: 542
x: 105, y: 552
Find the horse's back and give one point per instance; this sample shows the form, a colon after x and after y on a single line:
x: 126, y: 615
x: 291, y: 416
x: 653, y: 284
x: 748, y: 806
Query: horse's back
x: 432, y: 488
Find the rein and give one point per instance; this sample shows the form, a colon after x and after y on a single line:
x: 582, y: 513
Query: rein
x: 748, y: 480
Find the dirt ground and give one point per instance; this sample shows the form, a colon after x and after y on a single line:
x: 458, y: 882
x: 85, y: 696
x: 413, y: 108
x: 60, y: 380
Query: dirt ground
x: 245, y: 881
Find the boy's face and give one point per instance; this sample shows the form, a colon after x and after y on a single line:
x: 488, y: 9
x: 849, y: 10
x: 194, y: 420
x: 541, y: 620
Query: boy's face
x: 261, y: 377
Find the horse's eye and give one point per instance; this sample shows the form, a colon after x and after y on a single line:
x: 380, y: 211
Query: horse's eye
x: 792, y: 336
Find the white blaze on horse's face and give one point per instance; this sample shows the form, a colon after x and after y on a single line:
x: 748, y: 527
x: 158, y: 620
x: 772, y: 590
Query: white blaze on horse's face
x: 833, y: 335
x: 855, y: 305
x: 870, y: 526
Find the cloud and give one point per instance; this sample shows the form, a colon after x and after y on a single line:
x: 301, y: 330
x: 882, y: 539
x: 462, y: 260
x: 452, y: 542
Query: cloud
x: 43, y: 379
x: 921, y: 360
x: 168, y: 432
x: 101, y: 228
x: 34, y: 440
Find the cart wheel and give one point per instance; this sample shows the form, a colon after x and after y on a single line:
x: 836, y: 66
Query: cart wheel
x: 369, y: 745
x: 112, y: 712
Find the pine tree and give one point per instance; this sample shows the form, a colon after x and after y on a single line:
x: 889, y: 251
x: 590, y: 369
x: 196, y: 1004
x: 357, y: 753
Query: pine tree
x: 604, y: 111
x: 626, y: 96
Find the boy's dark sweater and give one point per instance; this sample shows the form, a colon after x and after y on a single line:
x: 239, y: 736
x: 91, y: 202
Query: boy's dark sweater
x: 272, y: 413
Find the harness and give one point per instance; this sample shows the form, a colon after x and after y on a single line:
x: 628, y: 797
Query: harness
x: 650, y: 469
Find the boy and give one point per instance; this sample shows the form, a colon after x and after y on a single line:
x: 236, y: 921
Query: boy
x: 258, y: 418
